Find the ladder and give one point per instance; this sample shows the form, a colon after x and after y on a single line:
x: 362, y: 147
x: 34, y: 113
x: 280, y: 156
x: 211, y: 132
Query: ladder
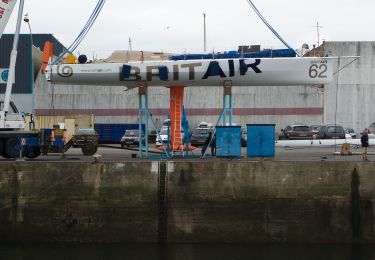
x: 176, y: 101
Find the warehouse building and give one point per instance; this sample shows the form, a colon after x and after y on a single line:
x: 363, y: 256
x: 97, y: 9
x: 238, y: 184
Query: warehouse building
x: 27, y: 66
x: 346, y: 101
x: 114, y: 105
x: 349, y: 100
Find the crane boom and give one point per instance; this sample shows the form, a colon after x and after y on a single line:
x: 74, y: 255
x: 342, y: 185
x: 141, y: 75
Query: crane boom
x: 6, y: 8
x: 12, y: 120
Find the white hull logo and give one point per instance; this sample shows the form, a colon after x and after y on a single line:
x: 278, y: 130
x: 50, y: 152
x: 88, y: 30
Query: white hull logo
x: 64, y: 71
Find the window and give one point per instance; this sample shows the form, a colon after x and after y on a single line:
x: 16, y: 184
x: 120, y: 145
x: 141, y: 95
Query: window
x: 201, y: 131
x: 132, y: 132
x: 372, y: 128
x: 86, y: 132
x: 301, y: 128
x: 335, y: 129
x: 164, y: 131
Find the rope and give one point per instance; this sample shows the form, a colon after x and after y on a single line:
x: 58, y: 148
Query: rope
x: 84, y: 31
x: 344, y: 67
x: 268, y: 25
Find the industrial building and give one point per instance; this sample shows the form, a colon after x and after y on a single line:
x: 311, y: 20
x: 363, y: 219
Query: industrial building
x: 349, y: 100
x: 284, y: 105
x: 28, y: 65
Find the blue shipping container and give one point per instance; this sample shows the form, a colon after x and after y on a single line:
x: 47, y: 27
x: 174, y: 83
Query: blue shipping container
x: 261, y: 140
x: 228, y: 141
x: 112, y: 133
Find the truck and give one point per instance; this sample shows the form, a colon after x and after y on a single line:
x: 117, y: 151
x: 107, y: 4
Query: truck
x: 14, y: 140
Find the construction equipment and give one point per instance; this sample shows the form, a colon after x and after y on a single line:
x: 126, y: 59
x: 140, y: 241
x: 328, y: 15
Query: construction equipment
x: 14, y: 140
x: 11, y: 121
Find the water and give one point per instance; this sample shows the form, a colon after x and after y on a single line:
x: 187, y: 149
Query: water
x: 187, y: 252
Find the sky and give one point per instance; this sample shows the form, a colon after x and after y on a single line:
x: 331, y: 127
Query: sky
x: 177, y: 25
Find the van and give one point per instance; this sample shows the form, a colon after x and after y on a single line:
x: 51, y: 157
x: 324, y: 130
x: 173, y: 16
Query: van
x: 167, y: 122
x: 205, y: 125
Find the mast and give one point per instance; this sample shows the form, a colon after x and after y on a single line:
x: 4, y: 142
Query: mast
x: 204, y: 34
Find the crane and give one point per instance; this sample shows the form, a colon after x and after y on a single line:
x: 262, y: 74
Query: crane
x: 6, y: 8
x: 10, y: 119
x: 15, y: 141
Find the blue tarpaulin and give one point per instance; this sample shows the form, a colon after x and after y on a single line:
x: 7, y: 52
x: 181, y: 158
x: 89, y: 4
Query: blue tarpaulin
x: 277, y: 53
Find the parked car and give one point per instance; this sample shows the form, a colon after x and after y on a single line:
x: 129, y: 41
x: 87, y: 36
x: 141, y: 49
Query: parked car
x: 331, y: 132
x: 243, y: 137
x: 166, y: 122
x: 315, y: 128
x: 205, y: 125
x: 351, y: 132
x: 152, y: 136
x: 164, y: 136
x: 83, y: 135
x: 296, y: 132
x: 199, y: 136
x: 131, y: 137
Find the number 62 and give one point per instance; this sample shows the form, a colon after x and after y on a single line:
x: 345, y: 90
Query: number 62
x: 317, y: 71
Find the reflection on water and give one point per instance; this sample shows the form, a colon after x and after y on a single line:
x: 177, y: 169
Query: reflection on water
x: 187, y: 252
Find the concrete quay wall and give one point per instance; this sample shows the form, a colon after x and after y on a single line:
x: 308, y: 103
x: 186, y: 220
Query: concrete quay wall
x: 213, y: 201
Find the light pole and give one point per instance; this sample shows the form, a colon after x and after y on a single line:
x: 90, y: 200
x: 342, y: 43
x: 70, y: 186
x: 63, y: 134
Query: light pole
x: 204, y: 34
x: 27, y: 20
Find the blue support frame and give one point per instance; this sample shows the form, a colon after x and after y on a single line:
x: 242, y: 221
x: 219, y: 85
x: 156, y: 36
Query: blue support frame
x: 144, y: 112
x: 227, y: 94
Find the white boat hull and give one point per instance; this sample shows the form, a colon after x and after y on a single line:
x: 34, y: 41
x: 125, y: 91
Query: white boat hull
x: 241, y: 72
x: 321, y: 143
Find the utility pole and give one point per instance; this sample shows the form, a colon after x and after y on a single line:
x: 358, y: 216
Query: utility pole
x: 129, y: 49
x: 204, y: 34
x: 318, y: 32
x: 130, y: 44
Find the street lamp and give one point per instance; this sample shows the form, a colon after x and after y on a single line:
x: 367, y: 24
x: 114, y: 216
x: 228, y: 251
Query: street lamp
x: 27, y: 20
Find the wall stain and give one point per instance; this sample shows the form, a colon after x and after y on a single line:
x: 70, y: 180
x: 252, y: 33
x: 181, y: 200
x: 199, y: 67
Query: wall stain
x: 69, y: 221
x: 186, y: 177
x: 355, y: 205
x: 15, y: 197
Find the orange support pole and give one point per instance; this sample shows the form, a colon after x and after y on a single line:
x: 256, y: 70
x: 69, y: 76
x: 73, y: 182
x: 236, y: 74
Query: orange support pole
x: 175, y: 105
x: 47, y: 53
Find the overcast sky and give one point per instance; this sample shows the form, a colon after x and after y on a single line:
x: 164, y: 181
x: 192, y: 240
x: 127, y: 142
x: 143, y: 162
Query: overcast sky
x: 177, y: 25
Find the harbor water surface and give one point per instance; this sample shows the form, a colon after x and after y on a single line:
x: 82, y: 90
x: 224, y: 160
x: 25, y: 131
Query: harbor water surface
x: 187, y: 252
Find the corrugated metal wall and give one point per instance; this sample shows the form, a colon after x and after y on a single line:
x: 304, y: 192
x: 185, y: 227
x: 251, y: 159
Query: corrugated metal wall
x: 280, y: 105
x: 40, y: 39
x: 23, y: 82
x: 354, y: 88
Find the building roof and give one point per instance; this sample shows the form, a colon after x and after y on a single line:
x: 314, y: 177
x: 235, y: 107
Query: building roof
x: 125, y: 56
